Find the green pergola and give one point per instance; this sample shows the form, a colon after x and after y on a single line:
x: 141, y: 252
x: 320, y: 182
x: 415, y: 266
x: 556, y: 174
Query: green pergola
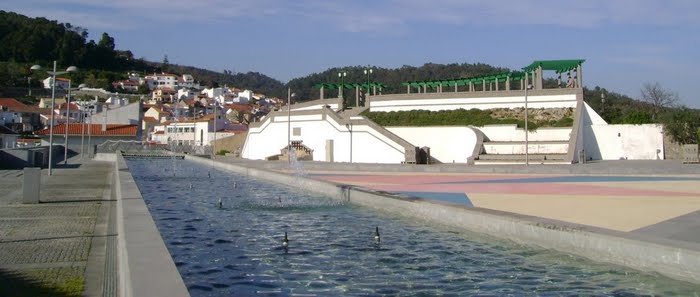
x: 370, y: 87
x: 559, y: 67
x: 494, y: 79
x: 349, y: 86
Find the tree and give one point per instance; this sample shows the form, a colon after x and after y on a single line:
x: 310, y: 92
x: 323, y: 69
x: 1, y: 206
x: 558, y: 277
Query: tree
x: 683, y: 125
x: 143, y: 89
x: 166, y: 64
x: 106, y: 41
x: 658, y: 97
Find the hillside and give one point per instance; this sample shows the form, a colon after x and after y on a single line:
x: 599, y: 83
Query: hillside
x: 25, y: 41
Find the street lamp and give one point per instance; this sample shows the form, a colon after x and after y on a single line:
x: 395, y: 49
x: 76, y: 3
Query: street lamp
x: 367, y: 72
x: 602, y: 100
x: 527, y: 145
x: 342, y: 76
x: 65, y: 143
x: 290, y: 95
x: 53, y: 74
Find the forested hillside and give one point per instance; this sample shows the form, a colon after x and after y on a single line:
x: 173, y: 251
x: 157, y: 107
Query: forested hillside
x: 26, y: 41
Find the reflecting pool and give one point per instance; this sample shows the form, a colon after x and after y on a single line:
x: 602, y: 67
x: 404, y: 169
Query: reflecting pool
x: 235, y: 249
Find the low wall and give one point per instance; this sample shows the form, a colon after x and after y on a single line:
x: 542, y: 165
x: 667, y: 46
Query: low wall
x: 593, y: 243
x: 145, y: 265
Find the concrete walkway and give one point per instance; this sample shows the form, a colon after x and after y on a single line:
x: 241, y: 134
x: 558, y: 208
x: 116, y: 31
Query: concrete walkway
x: 57, y: 247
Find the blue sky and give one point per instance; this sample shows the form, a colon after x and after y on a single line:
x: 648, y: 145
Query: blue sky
x: 625, y: 42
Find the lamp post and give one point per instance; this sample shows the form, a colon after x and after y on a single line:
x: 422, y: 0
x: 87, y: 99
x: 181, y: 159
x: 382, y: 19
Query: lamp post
x: 342, y: 76
x: 290, y: 95
x: 527, y: 145
x: 367, y: 71
x: 602, y: 101
x: 65, y: 143
x: 53, y: 74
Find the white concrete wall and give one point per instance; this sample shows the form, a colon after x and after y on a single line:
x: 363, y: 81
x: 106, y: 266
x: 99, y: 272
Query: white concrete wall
x: 513, y: 133
x: 620, y: 142
x: 519, y: 148
x: 592, y: 117
x: 447, y: 144
x: 548, y: 101
x: 368, y: 146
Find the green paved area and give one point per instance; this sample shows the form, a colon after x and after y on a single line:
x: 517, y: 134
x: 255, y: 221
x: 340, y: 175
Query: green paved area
x: 46, y: 248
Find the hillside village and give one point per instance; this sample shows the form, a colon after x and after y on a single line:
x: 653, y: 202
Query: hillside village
x: 177, y: 111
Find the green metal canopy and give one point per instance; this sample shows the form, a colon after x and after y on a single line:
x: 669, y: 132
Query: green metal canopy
x: 498, y: 77
x: 349, y: 85
x: 557, y: 65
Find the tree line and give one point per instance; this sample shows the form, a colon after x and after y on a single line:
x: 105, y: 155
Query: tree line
x: 25, y: 41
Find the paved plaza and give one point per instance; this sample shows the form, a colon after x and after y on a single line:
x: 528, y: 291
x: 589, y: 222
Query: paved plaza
x: 47, y: 249
x: 650, y: 200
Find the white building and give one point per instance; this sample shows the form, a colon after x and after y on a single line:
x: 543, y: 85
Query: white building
x: 214, y: 92
x: 61, y: 83
x: 188, y: 132
x: 187, y: 81
x: 244, y: 97
x: 162, y: 80
x: 186, y: 93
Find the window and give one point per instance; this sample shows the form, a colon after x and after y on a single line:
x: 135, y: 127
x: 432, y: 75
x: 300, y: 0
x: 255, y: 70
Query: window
x: 296, y: 131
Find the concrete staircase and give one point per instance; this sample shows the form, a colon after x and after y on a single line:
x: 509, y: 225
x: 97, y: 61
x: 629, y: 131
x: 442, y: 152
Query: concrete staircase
x: 513, y: 152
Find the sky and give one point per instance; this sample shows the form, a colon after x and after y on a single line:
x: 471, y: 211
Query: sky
x: 626, y: 43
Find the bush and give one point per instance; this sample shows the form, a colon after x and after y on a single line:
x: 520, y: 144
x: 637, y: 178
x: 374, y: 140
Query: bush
x: 222, y: 152
x: 460, y: 117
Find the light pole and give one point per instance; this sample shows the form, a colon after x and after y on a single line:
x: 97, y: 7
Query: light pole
x: 289, y: 123
x: 65, y: 143
x: 527, y: 145
x: 342, y: 76
x: 53, y: 74
x: 82, y: 128
x: 367, y: 71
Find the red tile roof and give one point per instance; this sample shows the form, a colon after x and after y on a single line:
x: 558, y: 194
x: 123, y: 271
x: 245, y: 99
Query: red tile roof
x: 95, y: 130
x: 73, y: 107
x: 11, y: 103
x: 246, y: 108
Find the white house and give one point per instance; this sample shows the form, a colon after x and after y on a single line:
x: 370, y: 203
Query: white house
x: 244, y: 97
x: 214, y: 92
x: 186, y: 93
x: 187, y: 81
x: 162, y: 80
x: 61, y: 83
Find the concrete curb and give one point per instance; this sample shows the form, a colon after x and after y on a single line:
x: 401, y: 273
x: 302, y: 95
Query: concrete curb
x: 145, y: 265
x: 593, y: 243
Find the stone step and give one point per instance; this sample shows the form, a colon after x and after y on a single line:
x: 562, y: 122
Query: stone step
x: 521, y: 157
x: 523, y: 142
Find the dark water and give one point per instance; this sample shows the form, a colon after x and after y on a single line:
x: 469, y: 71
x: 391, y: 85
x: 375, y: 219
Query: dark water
x: 236, y: 250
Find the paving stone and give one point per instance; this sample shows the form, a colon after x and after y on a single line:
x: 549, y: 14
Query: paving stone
x: 44, y: 250
x: 50, y: 210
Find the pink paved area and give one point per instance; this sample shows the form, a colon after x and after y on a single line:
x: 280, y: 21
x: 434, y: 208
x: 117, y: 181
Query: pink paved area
x: 623, y: 203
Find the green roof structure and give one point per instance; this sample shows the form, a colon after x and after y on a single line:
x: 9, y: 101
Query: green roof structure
x: 490, y: 78
x: 559, y: 66
x: 349, y: 85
